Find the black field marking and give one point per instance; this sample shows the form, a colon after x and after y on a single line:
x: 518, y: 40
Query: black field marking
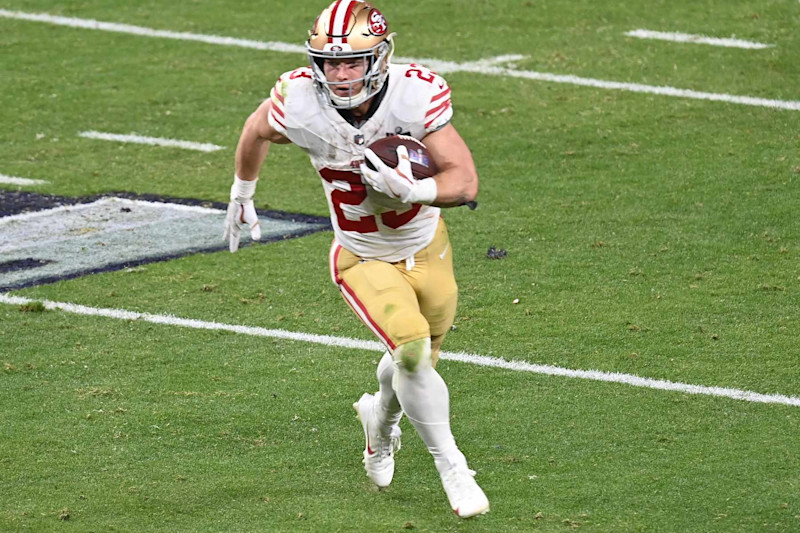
x: 46, y: 238
x: 17, y: 202
x: 20, y: 264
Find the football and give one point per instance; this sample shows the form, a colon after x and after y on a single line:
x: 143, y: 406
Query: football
x: 422, y: 164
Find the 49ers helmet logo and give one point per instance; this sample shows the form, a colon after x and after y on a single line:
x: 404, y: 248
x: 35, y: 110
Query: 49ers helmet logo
x: 377, y: 24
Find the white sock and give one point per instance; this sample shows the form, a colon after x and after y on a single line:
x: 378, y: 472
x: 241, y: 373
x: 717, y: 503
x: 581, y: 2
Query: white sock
x: 426, y: 401
x: 387, y: 407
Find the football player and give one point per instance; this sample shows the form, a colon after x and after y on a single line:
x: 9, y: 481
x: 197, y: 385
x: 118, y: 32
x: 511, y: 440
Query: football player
x: 391, y: 256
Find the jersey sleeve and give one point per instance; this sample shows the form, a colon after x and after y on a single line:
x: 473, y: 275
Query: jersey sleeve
x: 439, y: 110
x: 277, y: 114
x: 288, y: 96
x: 422, y: 99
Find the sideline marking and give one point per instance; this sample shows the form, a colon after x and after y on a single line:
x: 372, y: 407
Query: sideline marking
x: 484, y: 66
x: 696, y: 39
x: 153, y: 141
x: 12, y: 180
x: 481, y: 360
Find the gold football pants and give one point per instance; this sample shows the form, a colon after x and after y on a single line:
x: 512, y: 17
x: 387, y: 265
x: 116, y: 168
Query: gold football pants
x: 397, y: 304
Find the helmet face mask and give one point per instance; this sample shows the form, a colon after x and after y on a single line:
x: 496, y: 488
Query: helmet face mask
x: 350, y: 29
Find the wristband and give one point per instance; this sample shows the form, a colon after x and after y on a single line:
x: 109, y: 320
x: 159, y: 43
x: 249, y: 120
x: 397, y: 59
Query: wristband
x: 242, y: 190
x: 425, y: 191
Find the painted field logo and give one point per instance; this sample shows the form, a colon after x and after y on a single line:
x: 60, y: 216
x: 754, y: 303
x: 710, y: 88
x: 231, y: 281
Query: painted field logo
x: 112, y: 233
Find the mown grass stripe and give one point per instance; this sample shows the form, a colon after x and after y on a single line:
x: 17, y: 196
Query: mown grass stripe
x: 91, y: 24
x: 480, y: 360
x: 485, y: 66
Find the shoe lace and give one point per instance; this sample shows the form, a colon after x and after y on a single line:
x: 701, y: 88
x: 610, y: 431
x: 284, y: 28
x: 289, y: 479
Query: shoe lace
x: 389, y: 444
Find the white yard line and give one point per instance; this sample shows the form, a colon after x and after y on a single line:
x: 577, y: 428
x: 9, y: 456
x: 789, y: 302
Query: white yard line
x: 678, y: 37
x: 480, y: 360
x: 90, y: 24
x: 487, y: 67
x: 152, y: 141
x: 648, y: 89
x: 12, y: 180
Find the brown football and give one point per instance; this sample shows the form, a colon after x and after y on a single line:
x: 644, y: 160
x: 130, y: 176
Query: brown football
x: 422, y: 164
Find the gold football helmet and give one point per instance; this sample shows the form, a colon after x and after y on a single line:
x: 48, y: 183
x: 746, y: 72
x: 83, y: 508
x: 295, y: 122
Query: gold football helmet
x: 350, y: 29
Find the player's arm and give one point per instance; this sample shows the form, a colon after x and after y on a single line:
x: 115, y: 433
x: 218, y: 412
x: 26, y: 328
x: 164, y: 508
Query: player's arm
x: 455, y: 184
x: 457, y: 180
x: 254, y: 142
x: 251, y: 152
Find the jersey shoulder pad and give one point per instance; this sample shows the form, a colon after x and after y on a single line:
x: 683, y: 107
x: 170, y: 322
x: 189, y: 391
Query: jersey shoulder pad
x: 290, y: 87
x: 427, y: 92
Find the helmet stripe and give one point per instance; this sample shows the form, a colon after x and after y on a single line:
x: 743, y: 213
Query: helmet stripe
x: 346, y: 24
x: 331, y: 30
x: 340, y: 17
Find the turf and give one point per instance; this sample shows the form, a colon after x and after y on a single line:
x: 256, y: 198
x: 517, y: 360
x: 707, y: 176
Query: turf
x: 646, y: 235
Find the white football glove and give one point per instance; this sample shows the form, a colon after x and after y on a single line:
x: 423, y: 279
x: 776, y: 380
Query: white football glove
x: 398, y: 182
x: 241, y: 213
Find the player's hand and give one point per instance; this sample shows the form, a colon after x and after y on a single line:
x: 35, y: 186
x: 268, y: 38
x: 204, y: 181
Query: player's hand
x: 240, y: 215
x: 397, y: 182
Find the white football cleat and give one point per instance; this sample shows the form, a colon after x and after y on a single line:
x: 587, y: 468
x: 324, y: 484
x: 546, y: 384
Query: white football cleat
x: 466, y: 497
x: 379, y: 451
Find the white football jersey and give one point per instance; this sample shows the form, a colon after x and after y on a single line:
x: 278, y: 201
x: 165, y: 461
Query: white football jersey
x: 366, y: 222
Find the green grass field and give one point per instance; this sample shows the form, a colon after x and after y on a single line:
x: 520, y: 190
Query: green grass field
x: 650, y: 235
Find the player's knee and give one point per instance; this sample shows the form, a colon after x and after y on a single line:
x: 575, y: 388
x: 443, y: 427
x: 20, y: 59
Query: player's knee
x: 415, y: 355
x: 405, y: 324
